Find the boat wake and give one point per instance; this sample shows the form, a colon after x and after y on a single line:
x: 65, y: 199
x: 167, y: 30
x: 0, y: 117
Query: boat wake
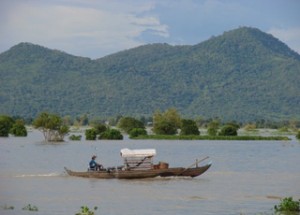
x: 38, y: 175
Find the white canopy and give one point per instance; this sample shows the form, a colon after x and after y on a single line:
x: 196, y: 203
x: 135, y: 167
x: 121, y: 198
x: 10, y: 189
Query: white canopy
x: 125, y: 153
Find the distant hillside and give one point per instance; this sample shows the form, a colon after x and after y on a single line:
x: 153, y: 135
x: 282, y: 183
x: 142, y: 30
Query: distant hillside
x: 244, y: 74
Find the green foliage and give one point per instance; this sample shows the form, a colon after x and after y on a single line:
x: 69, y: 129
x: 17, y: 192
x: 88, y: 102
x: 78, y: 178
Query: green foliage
x: 135, y: 132
x: 233, y: 124
x: 212, y: 127
x: 97, y: 129
x: 100, y: 128
x: 206, y: 137
x: 62, y: 131
x: 129, y: 123
x: 85, y: 210
x: 18, y: 129
x: 288, y: 205
x: 111, y: 134
x: 243, y: 74
x: 6, y: 123
x: 228, y: 130
x: 189, y: 127
x: 75, y: 137
x: 298, y: 135
x: 167, y: 122
x: 164, y: 128
x: 15, y: 127
x: 51, y: 126
x: 212, y: 131
x: 91, y: 134
x: 30, y: 207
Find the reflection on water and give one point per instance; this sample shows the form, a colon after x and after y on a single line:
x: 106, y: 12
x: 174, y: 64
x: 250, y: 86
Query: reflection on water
x: 247, y: 177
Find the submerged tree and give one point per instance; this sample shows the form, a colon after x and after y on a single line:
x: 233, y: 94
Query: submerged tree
x: 91, y: 134
x: 212, y: 127
x: 189, y: 127
x: 6, y: 124
x: 97, y: 129
x: 18, y: 129
x: 288, y: 206
x: 228, y: 130
x: 135, y: 132
x: 167, y: 122
x: 10, y: 126
x: 51, y: 126
x: 129, y: 123
x: 111, y: 134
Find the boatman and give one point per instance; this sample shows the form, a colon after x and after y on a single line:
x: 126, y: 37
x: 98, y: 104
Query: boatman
x: 94, y: 165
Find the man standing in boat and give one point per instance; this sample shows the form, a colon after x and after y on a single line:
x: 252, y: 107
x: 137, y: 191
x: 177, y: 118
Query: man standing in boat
x: 94, y: 165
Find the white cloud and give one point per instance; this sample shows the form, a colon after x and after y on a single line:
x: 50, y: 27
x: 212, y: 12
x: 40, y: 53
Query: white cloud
x: 103, y: 27
x: 290, y: 36
x: 95, y: 28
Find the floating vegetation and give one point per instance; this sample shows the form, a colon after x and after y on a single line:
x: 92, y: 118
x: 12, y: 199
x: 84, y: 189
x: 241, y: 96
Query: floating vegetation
x: 206, y: 137
x: 6, y: 207
x: 86, y: 211
x: 30, y: 207
x: 75, y: 137
x: 288, y: 205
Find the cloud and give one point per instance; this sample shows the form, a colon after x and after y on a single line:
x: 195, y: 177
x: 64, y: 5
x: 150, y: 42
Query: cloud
x: 290, y: 36
x: 95, y: 28
x: 87, y: 28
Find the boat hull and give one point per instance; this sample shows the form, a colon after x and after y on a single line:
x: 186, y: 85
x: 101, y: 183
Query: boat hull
x: 136, y: 174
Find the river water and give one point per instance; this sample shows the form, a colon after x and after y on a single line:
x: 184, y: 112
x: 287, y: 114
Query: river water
x: 247, y: 177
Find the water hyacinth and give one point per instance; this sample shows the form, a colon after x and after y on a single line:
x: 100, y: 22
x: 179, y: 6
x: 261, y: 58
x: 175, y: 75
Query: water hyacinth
x: 30, y: 207
x: 85, y: 210
x: 288, y: 205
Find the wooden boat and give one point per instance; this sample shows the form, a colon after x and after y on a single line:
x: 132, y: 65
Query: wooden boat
x: 138, y: 164
x: 135, y: 174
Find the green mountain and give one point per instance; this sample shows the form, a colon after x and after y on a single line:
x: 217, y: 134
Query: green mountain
x: 243, y: 74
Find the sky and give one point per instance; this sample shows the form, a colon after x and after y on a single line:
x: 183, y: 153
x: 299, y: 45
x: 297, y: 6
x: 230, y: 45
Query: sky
x: 96, y: 28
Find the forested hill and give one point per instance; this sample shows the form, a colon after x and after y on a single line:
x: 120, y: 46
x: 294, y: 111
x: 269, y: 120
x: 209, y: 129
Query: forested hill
x: 243, y: 74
